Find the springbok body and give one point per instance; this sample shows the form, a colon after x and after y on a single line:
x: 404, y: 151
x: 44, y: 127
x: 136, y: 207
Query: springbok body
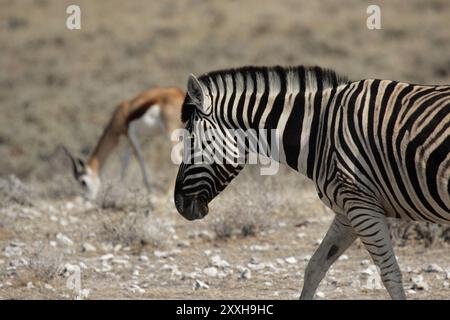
x: 135, y: 119
x: 373, y: 148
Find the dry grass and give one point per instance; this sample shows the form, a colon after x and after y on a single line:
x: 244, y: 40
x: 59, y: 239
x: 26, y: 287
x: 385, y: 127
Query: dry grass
x: 406, y: 233
x: 249, y: 205
x: 133, y: 229
x: 42, y: 265
x: 13, y: 191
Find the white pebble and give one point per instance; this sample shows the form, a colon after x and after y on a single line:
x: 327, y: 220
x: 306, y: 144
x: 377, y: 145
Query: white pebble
x: 320, y: 294
x: 64, y: 240
x: 291, y: 260
x: 87, y: 247
x: 211, y: 272
x: 433, y: 267
x: 199, y: 285
x: 217, y: 261
x: 246, y: 273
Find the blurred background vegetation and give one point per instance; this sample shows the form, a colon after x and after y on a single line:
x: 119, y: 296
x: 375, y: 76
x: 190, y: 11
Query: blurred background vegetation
x: 60, y: 86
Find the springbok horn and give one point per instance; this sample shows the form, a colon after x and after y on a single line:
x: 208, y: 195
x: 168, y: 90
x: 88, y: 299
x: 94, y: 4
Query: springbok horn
x: 73, y: 160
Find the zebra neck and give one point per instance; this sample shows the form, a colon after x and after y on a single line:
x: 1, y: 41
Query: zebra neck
x: 299, y: 120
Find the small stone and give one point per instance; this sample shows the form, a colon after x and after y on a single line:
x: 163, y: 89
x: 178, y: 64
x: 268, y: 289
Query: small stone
x: 246, y: 274
x: 433, y: 268
x: 447, y: 274
x: 170, y: 267
x: 256, y: 247
x: 106, y: 257
x: 199, y: 285
x: 184, y: 244
x: 256, y: 266
x: 217, y: 261
x: 211, y: 272
x: 69, y: 269
x: 64, y: 240
x: 11, y: 251
x: 136, y: 289
x: 365, y: 262
x: 143, y: 258
x: 106, y: 267
x: 49, y: 287
x: 206, y: 235
x: 418, y: 283
x: 301, y: 235
x: 291, y: 260
x: 87, y: 247
x: 161, y: 254
x: 411, y: 291
x: 369, y: 271
x: 120, y: 261
x: 306, y: 258
x: 190, y: 275
x: 320, y: 294
x: 69, y: 205
x: 83, y: 294
x: 30, y: 285
x: 344, y: 257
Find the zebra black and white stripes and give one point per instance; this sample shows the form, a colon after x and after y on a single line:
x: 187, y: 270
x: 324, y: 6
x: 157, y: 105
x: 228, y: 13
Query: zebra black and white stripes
x: 373, y: 148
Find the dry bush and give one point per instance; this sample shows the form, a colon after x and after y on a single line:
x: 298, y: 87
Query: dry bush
x: 14, y: 191
x: 42, y: 265
x: 134, y: 229
x: 246, y: 208
x: 404, y: 232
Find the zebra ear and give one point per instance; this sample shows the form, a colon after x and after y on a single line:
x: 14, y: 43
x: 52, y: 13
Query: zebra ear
x: 195, y: 91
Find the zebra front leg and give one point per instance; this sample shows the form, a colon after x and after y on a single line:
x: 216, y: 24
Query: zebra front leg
x: 339, y: 237
x: 372, y: 228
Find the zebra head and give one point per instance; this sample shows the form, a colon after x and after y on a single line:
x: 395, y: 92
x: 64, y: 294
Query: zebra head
x: 200, y: 179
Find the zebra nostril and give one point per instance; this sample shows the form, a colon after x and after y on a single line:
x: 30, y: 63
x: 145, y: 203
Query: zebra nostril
x: 189, y: 207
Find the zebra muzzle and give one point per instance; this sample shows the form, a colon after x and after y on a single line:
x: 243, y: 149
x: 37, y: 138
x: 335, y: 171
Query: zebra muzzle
x: 191, y: 208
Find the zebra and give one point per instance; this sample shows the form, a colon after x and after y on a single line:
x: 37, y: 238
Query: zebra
x: 374, y: 149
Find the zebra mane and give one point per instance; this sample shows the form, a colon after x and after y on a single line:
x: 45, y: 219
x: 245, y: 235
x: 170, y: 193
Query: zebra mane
x: 311, y: 78
x: 301, y: 78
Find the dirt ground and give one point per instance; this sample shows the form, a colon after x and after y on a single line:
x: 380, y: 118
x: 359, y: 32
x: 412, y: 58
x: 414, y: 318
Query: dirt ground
x: 60, y: 86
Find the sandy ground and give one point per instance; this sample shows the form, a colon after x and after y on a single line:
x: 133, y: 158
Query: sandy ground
x: 59, y: 86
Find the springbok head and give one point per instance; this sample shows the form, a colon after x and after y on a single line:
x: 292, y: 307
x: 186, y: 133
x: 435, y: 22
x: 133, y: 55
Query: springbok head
x: 86, y: 177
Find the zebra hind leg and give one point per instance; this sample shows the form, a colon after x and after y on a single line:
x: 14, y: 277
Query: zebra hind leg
x: 339, y: 237
x: 371, y: 227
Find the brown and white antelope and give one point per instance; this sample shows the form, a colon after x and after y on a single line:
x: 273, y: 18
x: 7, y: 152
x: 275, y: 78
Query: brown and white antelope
x: 135, y: 118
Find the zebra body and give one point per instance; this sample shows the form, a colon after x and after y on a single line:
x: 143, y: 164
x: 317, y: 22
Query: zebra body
x: 373, y: 148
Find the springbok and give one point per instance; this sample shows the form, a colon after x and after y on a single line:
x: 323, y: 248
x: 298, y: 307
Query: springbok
x: 158, y: 107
